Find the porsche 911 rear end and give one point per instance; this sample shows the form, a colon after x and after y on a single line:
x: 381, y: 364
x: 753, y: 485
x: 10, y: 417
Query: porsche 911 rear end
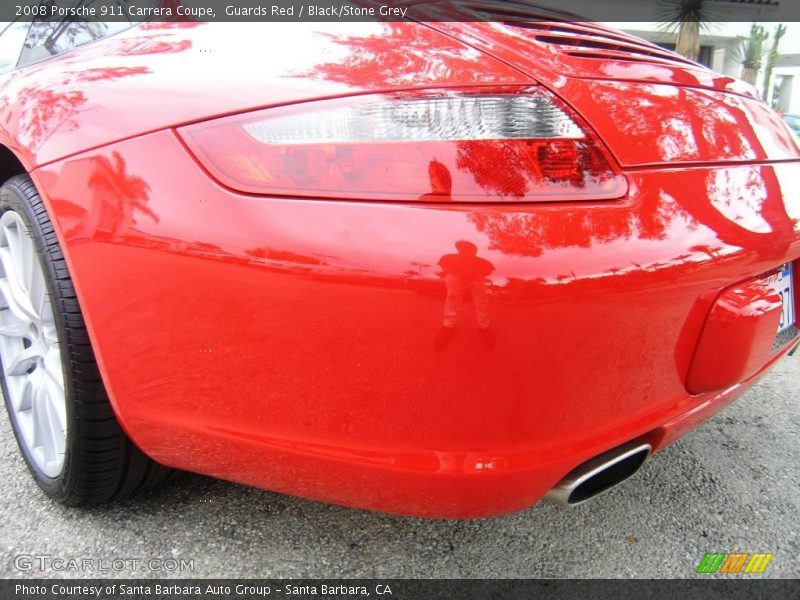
x: 440, y: 269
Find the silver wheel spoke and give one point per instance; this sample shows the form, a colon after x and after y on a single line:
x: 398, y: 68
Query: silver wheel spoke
x: 54, y: 380
x: 24, y: 404
x: 11, y: 325
x: 46, y: 430
x: 29, y: 348
x: 22, y: 252
x: 38, y: 294
x: 21, y: 363
x: 16, y: 299
x: 47, y: 326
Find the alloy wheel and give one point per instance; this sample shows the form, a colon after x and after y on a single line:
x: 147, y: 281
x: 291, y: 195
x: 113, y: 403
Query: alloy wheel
x: 29, y: 349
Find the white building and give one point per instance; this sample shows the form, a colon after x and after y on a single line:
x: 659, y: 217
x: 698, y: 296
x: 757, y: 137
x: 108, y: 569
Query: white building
x: 787, y: 83
x: 719, y: 41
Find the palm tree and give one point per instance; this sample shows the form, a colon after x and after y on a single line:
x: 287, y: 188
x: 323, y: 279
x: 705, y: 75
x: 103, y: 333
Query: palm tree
x: 750, y: 53
x: 772, y: 58
x: 689, y: 18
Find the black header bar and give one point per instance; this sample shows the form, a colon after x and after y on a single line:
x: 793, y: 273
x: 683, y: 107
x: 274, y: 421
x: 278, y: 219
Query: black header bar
x: 387, y: 10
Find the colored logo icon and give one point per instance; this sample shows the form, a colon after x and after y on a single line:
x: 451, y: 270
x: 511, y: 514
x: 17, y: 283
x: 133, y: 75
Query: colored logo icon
x: 735, y: 562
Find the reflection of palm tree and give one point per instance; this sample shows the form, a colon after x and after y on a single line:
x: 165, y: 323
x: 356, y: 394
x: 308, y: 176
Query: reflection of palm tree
x: 116, y: 197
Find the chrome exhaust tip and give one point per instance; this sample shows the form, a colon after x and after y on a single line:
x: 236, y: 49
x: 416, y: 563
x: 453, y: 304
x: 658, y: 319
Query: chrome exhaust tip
x: 599, y: 474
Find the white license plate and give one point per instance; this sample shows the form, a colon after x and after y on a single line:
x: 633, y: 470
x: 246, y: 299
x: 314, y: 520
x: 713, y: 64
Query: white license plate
x: 783, y: 282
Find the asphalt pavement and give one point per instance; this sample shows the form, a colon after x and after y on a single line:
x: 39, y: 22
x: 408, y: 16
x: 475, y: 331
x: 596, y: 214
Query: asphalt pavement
x: 730, y: 485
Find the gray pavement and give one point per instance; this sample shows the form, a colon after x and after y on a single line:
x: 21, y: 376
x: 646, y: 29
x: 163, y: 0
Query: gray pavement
x: 731, y: 485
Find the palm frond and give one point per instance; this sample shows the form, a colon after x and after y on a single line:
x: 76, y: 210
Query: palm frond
x: 673, y: 13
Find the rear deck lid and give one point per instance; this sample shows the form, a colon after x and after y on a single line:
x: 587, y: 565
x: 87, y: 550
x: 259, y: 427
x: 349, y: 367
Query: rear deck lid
x: 543, y: 39
x: 649, y: 105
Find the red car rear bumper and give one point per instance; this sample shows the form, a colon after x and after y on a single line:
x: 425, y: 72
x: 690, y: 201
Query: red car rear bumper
x: 299, y: 346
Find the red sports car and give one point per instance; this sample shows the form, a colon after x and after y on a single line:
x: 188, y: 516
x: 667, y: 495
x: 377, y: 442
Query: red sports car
x: 442, y: 268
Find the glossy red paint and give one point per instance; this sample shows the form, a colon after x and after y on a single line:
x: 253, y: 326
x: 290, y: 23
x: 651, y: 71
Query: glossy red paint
x: 117, y: 87
x: 662, y: 113
x: 737, y: 337
x: 296, y: 344
x: 552, y: 50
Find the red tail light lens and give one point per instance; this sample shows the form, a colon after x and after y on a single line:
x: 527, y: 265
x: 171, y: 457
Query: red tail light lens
x: 462, y: 146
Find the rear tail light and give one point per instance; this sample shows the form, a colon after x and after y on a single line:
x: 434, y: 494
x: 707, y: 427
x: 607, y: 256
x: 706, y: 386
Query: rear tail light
x: 463, y: 146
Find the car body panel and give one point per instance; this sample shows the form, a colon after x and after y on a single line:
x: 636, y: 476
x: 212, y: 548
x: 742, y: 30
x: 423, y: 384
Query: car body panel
x: 136, y: 81
x: 533, y: 48
x: 295, y: 344
x: 681, y: 125
x: 738, y: 336
x: 286, y: 343
x: 650, y: 113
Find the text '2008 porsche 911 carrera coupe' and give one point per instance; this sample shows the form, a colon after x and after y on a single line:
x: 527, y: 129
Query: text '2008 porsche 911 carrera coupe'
x: 443, y: 267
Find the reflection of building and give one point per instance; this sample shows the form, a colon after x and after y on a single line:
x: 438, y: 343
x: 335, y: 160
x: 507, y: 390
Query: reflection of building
x: 718, y: 44
x: 786, y: 84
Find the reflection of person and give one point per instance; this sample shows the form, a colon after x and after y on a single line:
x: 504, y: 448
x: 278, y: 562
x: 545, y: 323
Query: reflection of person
x: 465, y: 273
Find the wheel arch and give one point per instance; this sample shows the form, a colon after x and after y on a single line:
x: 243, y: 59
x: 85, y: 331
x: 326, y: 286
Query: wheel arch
x: 10, y: 164
x: 97, y: 434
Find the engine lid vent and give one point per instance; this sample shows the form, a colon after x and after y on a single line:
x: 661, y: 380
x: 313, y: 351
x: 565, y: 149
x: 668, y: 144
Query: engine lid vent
x: 583, y: 41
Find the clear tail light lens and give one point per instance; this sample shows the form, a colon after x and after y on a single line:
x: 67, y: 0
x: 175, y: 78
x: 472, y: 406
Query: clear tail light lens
x: 448, y: 146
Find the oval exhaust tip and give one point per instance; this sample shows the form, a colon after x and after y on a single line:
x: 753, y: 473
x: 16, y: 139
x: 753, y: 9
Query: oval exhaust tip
x: 599, y: 474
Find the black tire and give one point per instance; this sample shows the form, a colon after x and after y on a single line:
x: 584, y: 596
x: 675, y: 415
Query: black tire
x: 100, y: 462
